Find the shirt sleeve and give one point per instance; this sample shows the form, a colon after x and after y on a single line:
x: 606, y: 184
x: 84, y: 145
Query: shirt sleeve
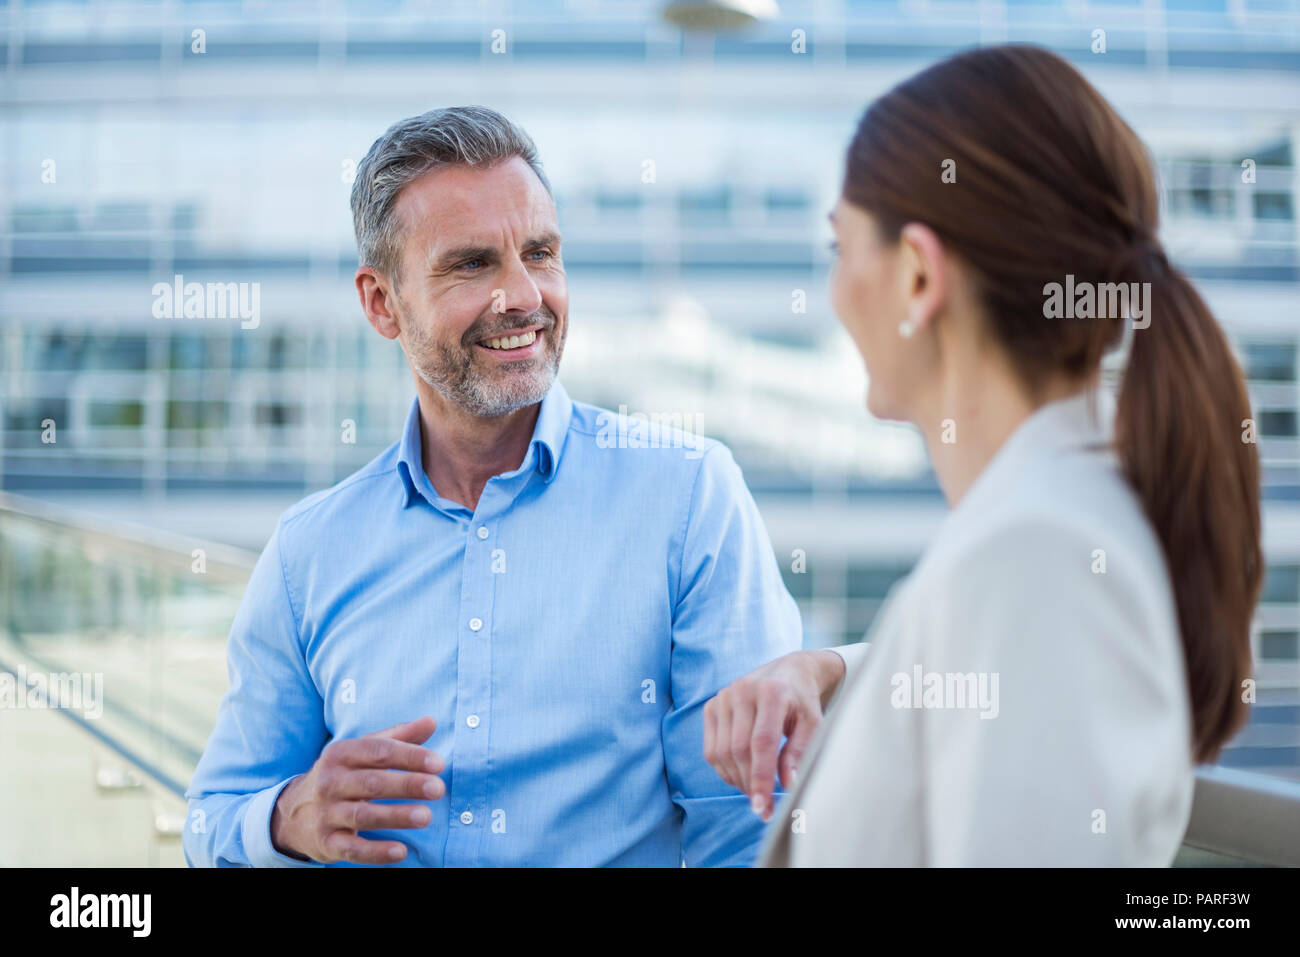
x: 854, y: 657
x: 732, y: 613
x: 1073, y: 745
x: 270, y: 728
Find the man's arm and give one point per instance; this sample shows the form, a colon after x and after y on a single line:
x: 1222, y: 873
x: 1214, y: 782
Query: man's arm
x: 270, y: 728
x: 732, y: 614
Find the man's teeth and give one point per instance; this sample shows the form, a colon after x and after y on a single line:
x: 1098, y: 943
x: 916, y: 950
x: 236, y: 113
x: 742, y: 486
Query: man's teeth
x: 512, y: 342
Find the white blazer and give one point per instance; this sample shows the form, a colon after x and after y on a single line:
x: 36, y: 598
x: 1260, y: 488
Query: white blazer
x: 1023, y: 699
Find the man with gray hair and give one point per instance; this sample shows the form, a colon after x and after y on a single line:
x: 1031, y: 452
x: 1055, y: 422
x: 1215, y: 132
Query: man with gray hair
x: 559, y: 611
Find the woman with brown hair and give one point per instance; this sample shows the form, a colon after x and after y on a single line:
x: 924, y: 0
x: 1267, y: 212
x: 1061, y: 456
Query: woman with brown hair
x: 1039, y: 688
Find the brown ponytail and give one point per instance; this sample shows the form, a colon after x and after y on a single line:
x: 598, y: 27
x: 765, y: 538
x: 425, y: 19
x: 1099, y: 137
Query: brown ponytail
x: 1181, y: 436
x: 1050, y: 181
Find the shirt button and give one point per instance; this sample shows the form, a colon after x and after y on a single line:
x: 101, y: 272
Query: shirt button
x: 472, y: 721
x: 475, y: 624
x: 466, y: 817
x: 482, y: 531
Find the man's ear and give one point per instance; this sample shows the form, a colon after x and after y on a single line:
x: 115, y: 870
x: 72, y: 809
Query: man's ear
x: 377, y: 299
x: 925, y: 273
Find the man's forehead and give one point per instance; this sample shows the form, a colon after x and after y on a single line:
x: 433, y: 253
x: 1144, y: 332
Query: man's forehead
x: 456, y: 204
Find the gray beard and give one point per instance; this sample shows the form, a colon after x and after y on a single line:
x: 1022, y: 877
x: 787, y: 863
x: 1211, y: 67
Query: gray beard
x: 450, y: 371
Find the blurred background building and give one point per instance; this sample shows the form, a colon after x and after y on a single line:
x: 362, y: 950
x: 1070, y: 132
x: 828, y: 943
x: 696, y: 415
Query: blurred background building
x: 146, y: 459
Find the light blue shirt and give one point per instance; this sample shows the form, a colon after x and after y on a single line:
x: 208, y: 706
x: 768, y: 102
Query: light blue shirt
x: 565, y: 635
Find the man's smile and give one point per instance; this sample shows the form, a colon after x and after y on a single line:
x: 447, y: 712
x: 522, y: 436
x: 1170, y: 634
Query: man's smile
x: 515, y: 344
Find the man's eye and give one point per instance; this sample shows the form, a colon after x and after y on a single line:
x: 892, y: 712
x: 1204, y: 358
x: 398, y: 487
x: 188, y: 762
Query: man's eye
x: 542, y: 252
x: 471, y: 262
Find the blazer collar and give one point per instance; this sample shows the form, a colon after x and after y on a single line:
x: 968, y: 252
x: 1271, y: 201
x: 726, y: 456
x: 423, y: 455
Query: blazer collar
x: 1082, y: 421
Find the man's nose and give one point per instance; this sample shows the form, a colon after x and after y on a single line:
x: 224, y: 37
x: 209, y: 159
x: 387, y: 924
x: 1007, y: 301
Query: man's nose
x: 517, y: 292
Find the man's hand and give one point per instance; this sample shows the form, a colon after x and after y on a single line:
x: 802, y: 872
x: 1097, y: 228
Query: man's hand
x: 318, y: 814
x: 744, y: 722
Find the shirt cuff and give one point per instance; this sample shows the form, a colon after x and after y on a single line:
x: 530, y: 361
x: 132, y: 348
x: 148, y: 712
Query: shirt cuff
x: 256, y: 831
x: 854, y: 655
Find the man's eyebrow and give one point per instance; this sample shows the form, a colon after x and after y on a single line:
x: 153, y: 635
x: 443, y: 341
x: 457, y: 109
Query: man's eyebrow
x: 465, y: 253
x: 460, y: 254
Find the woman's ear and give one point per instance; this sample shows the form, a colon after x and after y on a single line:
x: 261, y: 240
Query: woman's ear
x: 924, y: 273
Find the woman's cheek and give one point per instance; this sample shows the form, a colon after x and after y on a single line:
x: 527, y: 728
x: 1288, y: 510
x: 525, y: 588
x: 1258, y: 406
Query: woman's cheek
x: 841, y: 300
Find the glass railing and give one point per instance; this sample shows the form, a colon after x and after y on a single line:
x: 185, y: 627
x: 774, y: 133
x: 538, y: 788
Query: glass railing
x: 112, y: 647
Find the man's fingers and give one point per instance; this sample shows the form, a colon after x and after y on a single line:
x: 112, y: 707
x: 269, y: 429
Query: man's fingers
x: 372, y: 752
x: 365, y: 784
x: 742, y: 727
x: 765, y: 744
x: 414, y: 732
x: 727, y: 766
x: 346, y: 846
x: 805, y: 724
x: 369, y: 816
x: 711, y: 745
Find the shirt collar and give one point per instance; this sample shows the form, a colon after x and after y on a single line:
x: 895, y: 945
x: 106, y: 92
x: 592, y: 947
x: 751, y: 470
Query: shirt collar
x: 543, y: 449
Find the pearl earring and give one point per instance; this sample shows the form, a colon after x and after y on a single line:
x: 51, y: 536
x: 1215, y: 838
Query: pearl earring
x: 905, y: 328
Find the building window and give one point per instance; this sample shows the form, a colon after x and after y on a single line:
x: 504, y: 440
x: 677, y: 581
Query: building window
x: 1280, y: 423
x: 1270, y: 361
x: 1281, y: 584
x: 1279, y: 645
x: 276, y: 414
x: 799, y: 584
x: 704, y: 206
x: 117, y: 414
x: 874, y: 581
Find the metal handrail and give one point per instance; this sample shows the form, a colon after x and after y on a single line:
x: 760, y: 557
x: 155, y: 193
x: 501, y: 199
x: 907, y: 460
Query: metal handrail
x: 1251, y: 817
x: 225, y: 563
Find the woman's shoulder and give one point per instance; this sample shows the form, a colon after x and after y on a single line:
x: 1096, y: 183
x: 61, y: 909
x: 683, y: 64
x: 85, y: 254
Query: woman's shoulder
x: 1067, y: 539
x: 1071, y: 507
